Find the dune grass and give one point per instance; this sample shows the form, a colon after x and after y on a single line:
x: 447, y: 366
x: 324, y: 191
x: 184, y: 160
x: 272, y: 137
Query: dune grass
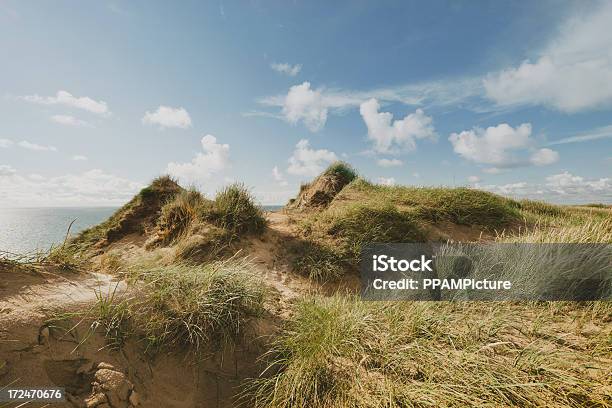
x: 203, y: 229
x: 343, y: 352
x: 235, y: 210
x: 132, y: 217
x: 198, y: 306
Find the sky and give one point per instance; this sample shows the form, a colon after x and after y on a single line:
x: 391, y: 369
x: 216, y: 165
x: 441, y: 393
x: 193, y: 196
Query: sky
x: 98, y: 98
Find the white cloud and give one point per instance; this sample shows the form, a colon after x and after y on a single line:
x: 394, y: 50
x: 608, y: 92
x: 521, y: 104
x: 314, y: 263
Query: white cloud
x: 491, y: 170
x: 389, y: 162
x: 213, y: 159
x: 501, y: 146
x: 278, y: 176
x: 93, y: 187
x: 388, y: 135
x: 567, y: 184
x: 312, y: 106
x: 573, y: 73
x: 287, y: 69
x: 306, y: 105
x: 544, y: 157
x: 387, y: 181
x: 65, y: 98
x: 33, y: 146
x: 563, y: 188
x: 69, y: 120
x: 4, y: 143
x: 474, y: 179
x: 79, y: 157
x: 168, y: 117
x: 306, y: 161
x: 6, y: 170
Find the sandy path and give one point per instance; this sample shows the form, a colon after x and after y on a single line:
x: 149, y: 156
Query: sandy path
x: 28, y: 298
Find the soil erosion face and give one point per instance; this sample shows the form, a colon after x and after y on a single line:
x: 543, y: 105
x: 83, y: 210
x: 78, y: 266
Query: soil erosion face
x: 42, y: 342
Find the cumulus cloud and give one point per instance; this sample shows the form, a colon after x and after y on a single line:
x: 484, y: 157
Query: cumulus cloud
x: 474, y: 179
x: 69, y: 120
x: 568, y: 184
x: 278, y: 176
x: 391, y: 136
x: 93, y: 187
x: 387, y: 181
x: 306, y: 105
x: 65, y: 98
x: 287, y: 69
x: 389, y: 162
x: 168, y: 117
x: 4, y: 143
x: 6, y: 170
x: 213, y: 159
x: 302, y: 103
x: 562, y: 188
x: 306, y: 161
x: 573, y: 73
x: 544, y: 157
x: 501, y: 146
x: 33, y: 146
x: 79, y: 157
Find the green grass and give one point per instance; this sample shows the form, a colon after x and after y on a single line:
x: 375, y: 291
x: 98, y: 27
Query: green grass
x: 178, y: 213
x: 341, y: 170
x: 463, y: 206
x: 342, y: 352
x: 235, y: 210
x: 132, y: 217
x: 199, y: 306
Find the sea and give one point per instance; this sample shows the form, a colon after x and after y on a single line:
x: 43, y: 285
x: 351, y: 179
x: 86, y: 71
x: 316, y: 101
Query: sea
x: 27, y: 230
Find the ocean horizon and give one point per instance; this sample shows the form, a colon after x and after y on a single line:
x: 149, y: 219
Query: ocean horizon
x: 30, y: 229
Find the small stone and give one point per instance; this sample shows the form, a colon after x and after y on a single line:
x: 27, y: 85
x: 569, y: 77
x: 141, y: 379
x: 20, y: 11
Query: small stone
x: 43, y: 335
x: 134, y: 398
x: 106, y: 366
x: 95, y: 400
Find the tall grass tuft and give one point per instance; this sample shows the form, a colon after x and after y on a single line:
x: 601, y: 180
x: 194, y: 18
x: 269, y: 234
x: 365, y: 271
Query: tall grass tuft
x: 341, y: 352
x: 178, y: 213
x: 235, y: 210
x: 203, y: 305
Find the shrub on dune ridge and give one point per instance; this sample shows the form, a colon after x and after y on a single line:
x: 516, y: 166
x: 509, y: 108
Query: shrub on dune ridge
x: 235, y: 210
x: 178, y: 213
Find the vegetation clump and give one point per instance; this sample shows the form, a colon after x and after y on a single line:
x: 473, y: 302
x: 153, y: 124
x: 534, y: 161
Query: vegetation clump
x: 235, y: 210
x: 323, y: 189
x: 343, y: 352
x: 184, y: 305
x: 136, y: 216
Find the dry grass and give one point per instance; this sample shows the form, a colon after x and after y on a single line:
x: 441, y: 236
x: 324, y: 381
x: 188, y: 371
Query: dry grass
x: 342, y: 352
x: 179, y: 305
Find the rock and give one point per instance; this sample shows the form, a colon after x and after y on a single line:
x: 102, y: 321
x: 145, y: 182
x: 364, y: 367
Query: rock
x: 134, y: 398
x: 95, y: 400
x: 106, y: 366
x: 43, y: 335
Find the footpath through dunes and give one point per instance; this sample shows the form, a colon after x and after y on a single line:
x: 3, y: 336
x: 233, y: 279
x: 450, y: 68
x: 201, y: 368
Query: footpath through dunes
x: 179, y: 300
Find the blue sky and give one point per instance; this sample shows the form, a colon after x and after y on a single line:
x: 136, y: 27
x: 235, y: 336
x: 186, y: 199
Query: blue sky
x: 97, y: 98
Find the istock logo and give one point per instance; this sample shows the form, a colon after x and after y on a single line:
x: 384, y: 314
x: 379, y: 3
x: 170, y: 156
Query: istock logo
x: 383, y: 263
